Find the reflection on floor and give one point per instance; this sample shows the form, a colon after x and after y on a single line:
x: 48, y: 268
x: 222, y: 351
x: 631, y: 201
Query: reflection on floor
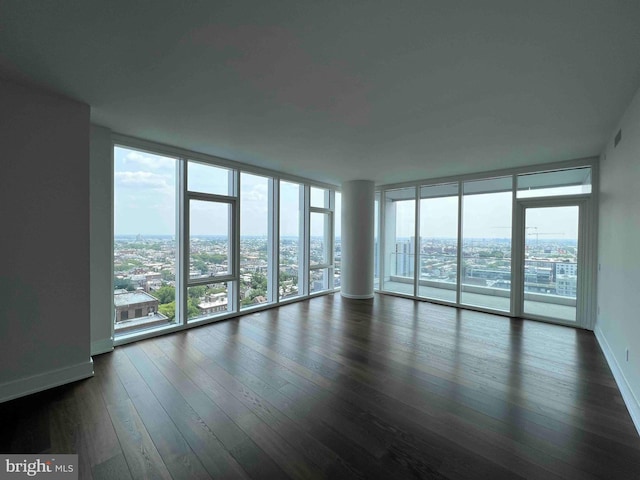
x: 543, y: 309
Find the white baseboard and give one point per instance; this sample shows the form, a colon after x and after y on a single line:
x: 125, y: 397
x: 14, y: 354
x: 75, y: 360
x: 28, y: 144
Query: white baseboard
x: 356, y: 297
x: 46, y: 380
x: 629, y: 398
x: 101, y: 346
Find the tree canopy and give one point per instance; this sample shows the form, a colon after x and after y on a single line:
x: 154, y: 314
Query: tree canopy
x: 166, y: 294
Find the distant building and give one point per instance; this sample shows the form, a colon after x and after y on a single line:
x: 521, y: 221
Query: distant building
x: 213, y: 303
x: 566, y: 268
x: 566, y: 285
x: 137, y: 309
x: 475, y: 272
x: 130, y: 305
x: 404, y: 258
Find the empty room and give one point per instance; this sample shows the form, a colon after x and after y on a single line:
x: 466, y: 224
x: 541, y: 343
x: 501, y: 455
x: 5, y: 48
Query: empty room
x: 341, y: 239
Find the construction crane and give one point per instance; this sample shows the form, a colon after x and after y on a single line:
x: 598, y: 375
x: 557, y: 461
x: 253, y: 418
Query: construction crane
x: 537, y: 233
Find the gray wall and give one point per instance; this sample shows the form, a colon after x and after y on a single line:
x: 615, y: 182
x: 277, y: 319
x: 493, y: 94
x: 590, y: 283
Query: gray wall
x: 44, y: 216
x: 618, y: 324
x: 101, y: 244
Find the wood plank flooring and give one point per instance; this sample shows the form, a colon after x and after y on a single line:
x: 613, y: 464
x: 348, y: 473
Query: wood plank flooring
x: 334, y: 388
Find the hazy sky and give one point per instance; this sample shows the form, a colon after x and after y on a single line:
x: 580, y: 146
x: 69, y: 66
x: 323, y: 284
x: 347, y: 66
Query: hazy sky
x: 484, y: 216
x: 145, y: 204
x: 144, y: 193
x: 145, y: 198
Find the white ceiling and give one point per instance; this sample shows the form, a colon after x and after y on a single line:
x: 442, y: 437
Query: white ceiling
x: 345, y: 89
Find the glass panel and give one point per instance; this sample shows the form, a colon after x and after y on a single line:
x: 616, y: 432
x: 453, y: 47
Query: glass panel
x: 254, y: 240
x: 144, y: 257
x: 574, y: 181
x: 438, y: 242
x: 206, y: 301
x: 291, y: 253
x: 318, y: 280
x: 486, y: 244
x: 209, y: 239
x: 551, y: 262
x: 442, y: 190
x: 319, y: 197
x: 205, y: 178
x: 337, y: 243
x: 376, y: 242
x: 319, y: 250
x: 399, y: 255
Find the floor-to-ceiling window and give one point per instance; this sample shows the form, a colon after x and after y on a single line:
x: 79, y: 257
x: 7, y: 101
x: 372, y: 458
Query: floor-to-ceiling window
x: 196, y: 241
x: 438, y: 246
x: 211, y: 212
x: 517, y: 242
x: 486, y: 243
x: 320, y: 240
x: 145, y: 234
x: 376, y: 242
x: 337, y: 240
x: 399, y: 240
x: 256, y: 237
x: 291, y: 272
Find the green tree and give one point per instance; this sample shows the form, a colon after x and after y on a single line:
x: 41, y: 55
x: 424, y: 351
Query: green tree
x: 192, y: 308
x: 167, y: 275
x: 127, y: 265
x: 168, y: 309
x: 259, y: 281
x: 166, y: 294
x: 200, y: 265
x: 123, y: 283
x: 247, y: 301
x: 196, y: 293
x: 217, y: 258
x: 284, y: 276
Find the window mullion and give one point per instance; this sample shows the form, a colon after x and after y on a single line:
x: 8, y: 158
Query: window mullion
x: 459, y: 269
x: 273, y: 242
x: 416, y: 246
x: 182, y: 243
x: 331, y: 234
x: 234, y: 229
x: 306, y: 240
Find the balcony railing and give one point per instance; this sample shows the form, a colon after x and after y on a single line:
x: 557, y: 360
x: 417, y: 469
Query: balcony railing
x: 444, y: 270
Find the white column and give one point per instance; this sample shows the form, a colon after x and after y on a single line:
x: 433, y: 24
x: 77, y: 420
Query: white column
x: 358, y: 198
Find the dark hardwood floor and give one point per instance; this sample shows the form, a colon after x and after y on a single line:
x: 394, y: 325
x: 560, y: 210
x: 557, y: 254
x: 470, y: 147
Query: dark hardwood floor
x: 331, y: 388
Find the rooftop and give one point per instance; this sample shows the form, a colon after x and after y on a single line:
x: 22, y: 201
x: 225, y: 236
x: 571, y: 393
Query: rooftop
x: 130, y: 298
